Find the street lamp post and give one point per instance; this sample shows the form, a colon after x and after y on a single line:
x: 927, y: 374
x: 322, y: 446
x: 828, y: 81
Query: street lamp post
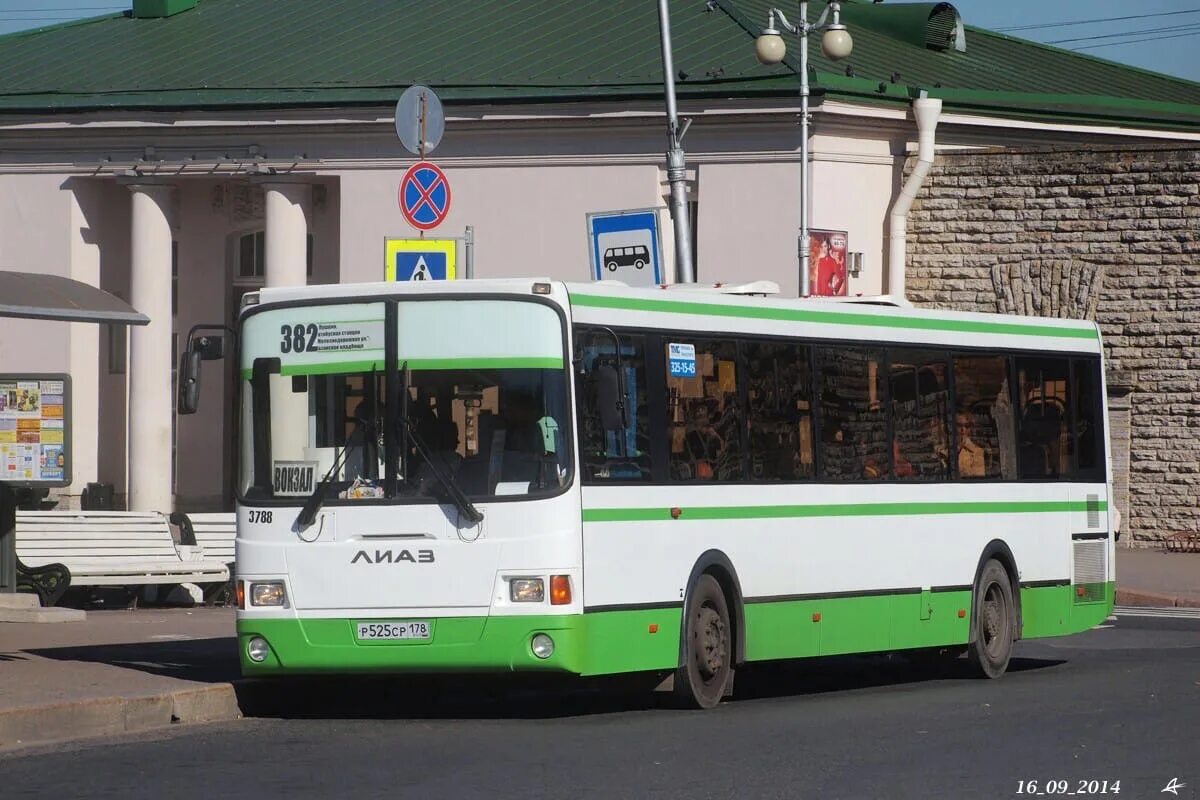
x: 770, y: 48
x: 685, y: 270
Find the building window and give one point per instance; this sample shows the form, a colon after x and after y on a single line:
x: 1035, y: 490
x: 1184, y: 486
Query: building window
x: 252, y: 258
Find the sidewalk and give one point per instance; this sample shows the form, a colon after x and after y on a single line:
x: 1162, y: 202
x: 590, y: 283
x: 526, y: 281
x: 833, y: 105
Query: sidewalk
x: 124, y: 671
x: 1157, y: 578
x: 116, y: 672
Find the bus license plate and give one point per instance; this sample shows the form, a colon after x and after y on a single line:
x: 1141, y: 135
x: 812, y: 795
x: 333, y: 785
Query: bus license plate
x: 388, y: 630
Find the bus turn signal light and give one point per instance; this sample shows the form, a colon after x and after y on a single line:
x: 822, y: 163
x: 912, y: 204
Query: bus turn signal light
x: 560, y: 590
x: 241, y: 594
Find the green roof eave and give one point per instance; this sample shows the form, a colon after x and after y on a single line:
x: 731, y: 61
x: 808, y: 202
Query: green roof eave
x: 191, y: 99
x: 1070, y: 108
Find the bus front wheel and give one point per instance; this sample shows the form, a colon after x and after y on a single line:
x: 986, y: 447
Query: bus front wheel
x: 995, y: 620
x: 707, y: 669
x: 612, y: 266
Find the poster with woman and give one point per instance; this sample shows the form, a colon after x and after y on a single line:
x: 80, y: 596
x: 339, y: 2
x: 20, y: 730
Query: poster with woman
x: 827, y: 263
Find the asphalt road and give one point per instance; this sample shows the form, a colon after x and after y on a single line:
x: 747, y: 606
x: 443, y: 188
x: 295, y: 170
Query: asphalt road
x: 1119, y: 703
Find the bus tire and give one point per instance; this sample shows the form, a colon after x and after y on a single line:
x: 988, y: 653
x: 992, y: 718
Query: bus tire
x: 612, y: 266
x: 707, y: 669
x: 995, y: 621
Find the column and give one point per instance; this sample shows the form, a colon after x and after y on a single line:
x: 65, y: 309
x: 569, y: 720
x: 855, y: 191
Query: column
x: 287, y: 211
x: 85, y: 237
x: 150, y: 406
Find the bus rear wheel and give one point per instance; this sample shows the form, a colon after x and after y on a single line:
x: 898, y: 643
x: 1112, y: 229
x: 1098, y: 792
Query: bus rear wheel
x: 995, y: 621
x: 707, y: 669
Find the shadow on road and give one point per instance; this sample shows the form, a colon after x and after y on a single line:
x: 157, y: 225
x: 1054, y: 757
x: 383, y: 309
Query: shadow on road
x: 849, y: 673
x: 509, y: 696
x: 200, y: 660
x: 548, y: 697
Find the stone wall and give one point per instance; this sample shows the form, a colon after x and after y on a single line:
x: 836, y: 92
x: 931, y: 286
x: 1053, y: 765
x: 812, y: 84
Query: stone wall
x: 1111, y: 234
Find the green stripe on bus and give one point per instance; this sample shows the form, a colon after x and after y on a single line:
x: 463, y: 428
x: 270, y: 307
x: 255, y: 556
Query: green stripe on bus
x: 635, y: 640
x: 325, y: 369
x: 839, y: 510
x: 831, y: 317
x: 526, y: 362
x: 549, y: 362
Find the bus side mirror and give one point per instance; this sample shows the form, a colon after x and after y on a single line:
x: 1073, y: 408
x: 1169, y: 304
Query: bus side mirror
x: 611, y: 398
x: 189, y: 382
x: 199, y: 348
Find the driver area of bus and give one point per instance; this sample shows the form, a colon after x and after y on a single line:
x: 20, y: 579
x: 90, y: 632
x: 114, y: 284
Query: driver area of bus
x: 490, y: 432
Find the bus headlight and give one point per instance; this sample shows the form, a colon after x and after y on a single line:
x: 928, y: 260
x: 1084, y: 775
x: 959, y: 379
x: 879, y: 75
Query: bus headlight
x: 542, y: 645
x: 270, y: 593
x: 526, y: 590
x: 257, y: 649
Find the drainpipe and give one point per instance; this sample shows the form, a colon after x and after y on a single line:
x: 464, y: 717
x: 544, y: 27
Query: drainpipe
x: 926, y: 110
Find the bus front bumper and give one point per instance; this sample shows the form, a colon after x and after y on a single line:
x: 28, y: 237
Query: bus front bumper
x: 485, y: 644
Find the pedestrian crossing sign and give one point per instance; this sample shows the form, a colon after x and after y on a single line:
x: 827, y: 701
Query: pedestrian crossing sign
x: 420, y: 259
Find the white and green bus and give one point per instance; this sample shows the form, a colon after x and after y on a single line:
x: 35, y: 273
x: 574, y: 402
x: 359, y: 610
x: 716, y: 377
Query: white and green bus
x: 593, y: 479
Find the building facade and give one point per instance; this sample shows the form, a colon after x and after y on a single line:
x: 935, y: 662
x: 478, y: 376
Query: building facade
x: 1108, y: 233
x: 185, y: 185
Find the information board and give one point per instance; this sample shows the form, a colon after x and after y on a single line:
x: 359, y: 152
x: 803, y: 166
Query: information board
x: 35, y: 430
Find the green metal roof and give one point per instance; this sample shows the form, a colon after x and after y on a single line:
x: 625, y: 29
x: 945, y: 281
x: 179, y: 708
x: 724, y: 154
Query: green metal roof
x: 279, y: 53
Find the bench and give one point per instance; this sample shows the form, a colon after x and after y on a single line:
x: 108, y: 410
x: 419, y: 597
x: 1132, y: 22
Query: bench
x: 49, y: 581
x: 1183, y: 543
x: 215, y: 534
x: 112, y: 548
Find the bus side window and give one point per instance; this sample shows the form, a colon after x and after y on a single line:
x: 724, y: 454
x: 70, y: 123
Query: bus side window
x: 612, y: 455
x: 705, y: 414
x: 1046, y: 449
x: 984, y: 434
x: 1089, y: 419
x: 920, y: 415
x: 853, y: 420
x: 778, y: 376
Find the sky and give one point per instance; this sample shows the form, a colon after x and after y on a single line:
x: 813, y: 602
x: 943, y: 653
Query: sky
x: 1160, y: 35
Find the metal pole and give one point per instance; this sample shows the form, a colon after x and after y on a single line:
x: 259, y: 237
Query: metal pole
x: 805, y: 248
x: 685, y: 271
x: 469, y: 251
x: 8, y: 539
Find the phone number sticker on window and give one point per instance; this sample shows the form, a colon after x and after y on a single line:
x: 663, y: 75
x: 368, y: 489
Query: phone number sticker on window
x: 682, y: 360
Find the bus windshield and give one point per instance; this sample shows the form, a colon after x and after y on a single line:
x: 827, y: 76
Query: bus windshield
x: 477, y: 387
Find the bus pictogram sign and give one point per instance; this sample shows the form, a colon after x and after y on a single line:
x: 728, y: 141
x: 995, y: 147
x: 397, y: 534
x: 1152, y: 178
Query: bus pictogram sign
x: 424, y: 196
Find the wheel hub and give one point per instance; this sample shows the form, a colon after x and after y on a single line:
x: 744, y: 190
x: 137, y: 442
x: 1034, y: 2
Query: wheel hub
x: 993, y: 618
x: 710, y: 656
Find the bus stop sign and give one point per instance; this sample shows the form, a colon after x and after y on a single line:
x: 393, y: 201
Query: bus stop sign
x: 626, y: 246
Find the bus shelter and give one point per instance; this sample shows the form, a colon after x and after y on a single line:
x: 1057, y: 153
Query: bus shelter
x: 28, y: 295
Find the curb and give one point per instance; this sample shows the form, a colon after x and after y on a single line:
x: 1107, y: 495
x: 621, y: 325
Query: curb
x: 1137, y: 597
x: 110, y: 716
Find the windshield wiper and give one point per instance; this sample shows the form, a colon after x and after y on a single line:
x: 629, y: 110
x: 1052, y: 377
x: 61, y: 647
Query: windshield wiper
x: 308, y: 512
x: 449, y: 486
x: 452, y: 489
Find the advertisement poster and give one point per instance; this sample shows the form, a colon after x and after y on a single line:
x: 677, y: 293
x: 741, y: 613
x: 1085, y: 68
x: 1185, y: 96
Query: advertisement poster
x: 34, y: 449
x: 827, y: 264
